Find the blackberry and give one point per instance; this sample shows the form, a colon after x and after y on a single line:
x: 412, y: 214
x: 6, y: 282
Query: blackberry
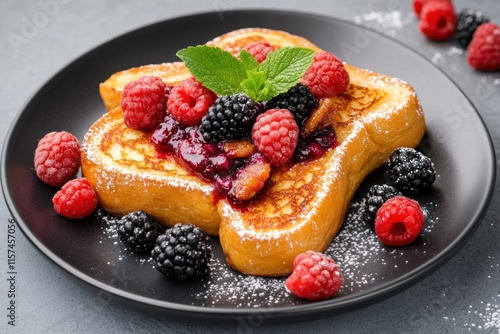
x: 298, y: 100
x: 138, y: 230
x: 182, y: 252
x: 229, y: 118
x: 467, y: 22
x: 377, y: 195
x: 410, y: 171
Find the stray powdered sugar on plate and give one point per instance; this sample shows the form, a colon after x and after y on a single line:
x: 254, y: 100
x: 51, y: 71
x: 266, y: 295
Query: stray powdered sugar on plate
x: 484, y: 317
x: 109, y: 225
x: 491, y: 314
x: 355, y: 246
x: 355, y: 249
x: 230, y: 287
x: 388, y: 22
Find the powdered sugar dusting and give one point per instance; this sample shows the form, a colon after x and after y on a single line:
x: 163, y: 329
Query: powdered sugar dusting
x: 238, y: 290
x: 491, y: 314
x: 389, y: 21
x: 355, y: 249
x: 483, y: 317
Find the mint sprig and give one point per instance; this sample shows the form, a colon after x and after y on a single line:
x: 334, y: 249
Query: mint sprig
x: 224, y: 74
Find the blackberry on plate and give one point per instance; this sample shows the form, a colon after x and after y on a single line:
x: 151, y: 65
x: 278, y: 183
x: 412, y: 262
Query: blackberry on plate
x: 139, y: 230
x: 467, y: 22
x: 182, y: 252
x: 229, y: 118
x: 410, y: 171
x: 377, y: 195
x: 298, y: 100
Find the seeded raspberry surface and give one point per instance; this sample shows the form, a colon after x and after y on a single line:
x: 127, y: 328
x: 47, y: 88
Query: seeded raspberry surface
x: 438, y: 20
x: 418, y: 5
x: 76, y: 199
x: 275, y: 134
x: 315, y: 276
x: 399, y: 221
x: 57, y: 158
x: 259, y: 50
x: 326, y: 76
x: 144, y: 103
x: 484, y: 49
x: 189, y: 102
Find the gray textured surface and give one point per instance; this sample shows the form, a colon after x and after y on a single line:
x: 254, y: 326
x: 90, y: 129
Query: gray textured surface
x: 461, y: 297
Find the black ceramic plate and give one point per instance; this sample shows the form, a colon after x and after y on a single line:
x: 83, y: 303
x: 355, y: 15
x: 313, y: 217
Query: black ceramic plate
x: 457, y: 141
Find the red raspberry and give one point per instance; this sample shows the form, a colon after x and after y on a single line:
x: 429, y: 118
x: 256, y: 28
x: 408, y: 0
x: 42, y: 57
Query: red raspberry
x: 326, y: 76
x: 399, y: 221
x: 144, y: 103
x: 57, y: 158
x: 189, y: 101
x: 419, y: 4
x: 275, y: 134
x: 315, y: 276
x: 484, y: 49
x: 76, y: 199
x: 438, y: 20
x: 259, y: 50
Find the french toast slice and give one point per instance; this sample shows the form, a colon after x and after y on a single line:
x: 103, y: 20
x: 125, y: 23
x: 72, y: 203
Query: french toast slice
x: 303, y: 205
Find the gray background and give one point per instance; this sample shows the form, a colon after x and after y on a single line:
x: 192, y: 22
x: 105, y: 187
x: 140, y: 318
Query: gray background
x: 461, y: 297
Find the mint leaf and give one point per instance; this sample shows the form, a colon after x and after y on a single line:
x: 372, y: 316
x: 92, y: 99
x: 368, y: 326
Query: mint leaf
x: 224, y: 74
x: 248, y: 61
x: 216, y: 69
x: 256, y: 86
x: 285, y: 67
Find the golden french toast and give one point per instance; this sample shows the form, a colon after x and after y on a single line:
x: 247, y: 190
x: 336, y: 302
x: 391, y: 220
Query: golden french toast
x: 303, y: 204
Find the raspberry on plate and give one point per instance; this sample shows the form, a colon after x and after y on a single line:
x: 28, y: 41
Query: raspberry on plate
x: 326, y: 76
x: 189, y: 101
x: 144, y: 103
x: 438, y: 20
x: 76, y: 199
x: 484, y: 49
x: 315, y: 276
x: 57, y: 158
x: 399, y: 221
x: 259, y: 50
x: 275, y: 134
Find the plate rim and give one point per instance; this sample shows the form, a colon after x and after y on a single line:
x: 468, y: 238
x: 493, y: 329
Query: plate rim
x: 365, y: 298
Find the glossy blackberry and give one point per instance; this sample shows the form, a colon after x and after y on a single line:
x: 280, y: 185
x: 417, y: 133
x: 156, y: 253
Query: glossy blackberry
x: 410, y: 171
x: 467, y: 22
x: 377, y: 195
x: 139, y: 230
x: 229, y: 118
x: 182, y: 252
x: 298, y: 100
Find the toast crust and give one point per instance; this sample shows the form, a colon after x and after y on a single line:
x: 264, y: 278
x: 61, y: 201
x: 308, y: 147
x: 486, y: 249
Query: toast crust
x: 304, y: 204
